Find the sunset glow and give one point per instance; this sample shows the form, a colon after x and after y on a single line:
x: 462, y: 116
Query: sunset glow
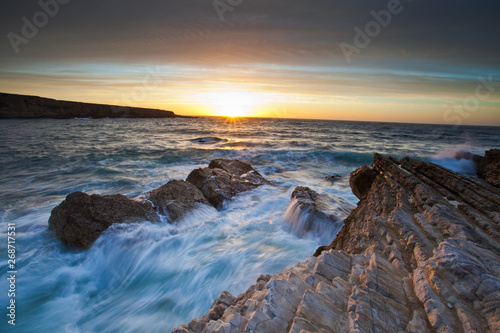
x: 261, y: 60
x: 233, y: 103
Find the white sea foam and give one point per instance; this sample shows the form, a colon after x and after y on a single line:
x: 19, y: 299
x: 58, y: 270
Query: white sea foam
x: 158, y: 275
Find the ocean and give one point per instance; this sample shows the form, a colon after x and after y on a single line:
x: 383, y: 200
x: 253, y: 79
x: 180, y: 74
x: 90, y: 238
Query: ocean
x: 151, y: 277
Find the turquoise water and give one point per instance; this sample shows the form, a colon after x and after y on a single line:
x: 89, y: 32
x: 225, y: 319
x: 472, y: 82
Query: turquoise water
x: 149, y: 277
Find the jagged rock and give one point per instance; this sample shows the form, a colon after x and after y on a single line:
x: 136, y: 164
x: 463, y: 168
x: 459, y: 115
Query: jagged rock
x: 420, y: 253
x: 224, y: 179
x: 176, y: 198
x: 238, y: 168
x: 81, y: 218
x: 321, y: 214
x: 467, y: 155
x: 361, y: 180
x: 489, y: 167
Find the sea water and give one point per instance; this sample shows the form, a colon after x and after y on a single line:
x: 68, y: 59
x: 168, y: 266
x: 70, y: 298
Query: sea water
x: 151, y: 277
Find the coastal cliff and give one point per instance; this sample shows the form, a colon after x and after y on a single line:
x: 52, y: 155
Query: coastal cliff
x: 419, y: 253
x: 27, y: 107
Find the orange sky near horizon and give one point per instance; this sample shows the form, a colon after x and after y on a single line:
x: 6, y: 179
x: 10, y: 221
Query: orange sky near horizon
x: 264, y: 59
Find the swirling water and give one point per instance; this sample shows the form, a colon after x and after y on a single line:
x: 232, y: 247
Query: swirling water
x: 148, y: 277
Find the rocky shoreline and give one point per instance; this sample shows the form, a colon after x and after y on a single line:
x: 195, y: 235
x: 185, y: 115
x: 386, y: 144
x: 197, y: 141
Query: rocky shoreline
x: 34, y: 107
x: 420, y: 253
x: 81, y: 218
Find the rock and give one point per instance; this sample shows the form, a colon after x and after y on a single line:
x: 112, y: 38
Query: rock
x: 463, y: 154
x: 420, y: 253
x: 361, y: 180
x: 238, y: 168
x: 21, y: 106
x: 176, y: 198
x: 224, y: 179
x: 209, y: 140
x: 81, y: 218
x: 333, y: 178
x: 320, y: 214
x: 489, y: 167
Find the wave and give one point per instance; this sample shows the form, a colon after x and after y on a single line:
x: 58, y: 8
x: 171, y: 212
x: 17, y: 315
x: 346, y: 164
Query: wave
x: 458, y: 158
x: 323, y: 224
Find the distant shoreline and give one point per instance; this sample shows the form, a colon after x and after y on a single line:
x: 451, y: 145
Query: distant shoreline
x: 14, y: 106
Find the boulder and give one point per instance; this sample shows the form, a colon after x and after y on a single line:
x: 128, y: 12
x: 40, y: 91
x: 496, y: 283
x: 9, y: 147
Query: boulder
x: 176, y: 198
x: 489, y: 167
x: 81, y: 218
x: 238, y: 168
x: 224, y: 179
x: 318, y: 213
x: 361, y: 180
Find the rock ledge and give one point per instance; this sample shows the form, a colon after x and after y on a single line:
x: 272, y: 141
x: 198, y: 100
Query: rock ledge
x: 420, y: 253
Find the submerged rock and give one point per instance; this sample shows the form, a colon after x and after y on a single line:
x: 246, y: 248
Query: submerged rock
x: 420, y: 253
x: 333, y: 178
x: 224, y: 178
x: 208, y: 140
x: 176, y: 198
x: 81, y: 218
x: 319, y: 214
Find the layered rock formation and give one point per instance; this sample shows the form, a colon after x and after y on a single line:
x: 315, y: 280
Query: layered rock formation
x: 420, y: 253
x: 20, y: 106
x: 81, y: 218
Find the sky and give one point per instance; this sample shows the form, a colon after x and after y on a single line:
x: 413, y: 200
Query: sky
x: 398, y: 61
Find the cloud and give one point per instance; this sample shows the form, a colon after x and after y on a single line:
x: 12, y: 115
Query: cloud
x: 292, y: 32
x: 429, y: 51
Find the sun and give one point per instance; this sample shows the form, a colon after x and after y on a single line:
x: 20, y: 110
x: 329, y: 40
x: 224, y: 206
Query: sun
x: 233, y: 103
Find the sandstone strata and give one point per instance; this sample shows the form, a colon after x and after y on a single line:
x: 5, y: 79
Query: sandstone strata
x: 420, y: 253
x: 20, y: 106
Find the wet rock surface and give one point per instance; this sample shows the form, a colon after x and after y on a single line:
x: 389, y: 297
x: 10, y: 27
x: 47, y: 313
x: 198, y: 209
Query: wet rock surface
x: 81, y: 218
x: 224, y: 178
x: 176, y: 198
x: 420, y: 253
x: 319, y: 213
